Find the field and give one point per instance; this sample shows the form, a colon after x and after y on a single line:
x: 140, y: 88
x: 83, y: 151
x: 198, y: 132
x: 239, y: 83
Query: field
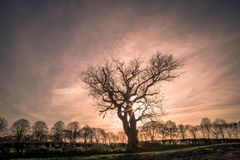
x: 230, y: 151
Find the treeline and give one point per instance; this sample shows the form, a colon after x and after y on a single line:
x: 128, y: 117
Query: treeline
x: 22, y: 131
x: 218, y: 129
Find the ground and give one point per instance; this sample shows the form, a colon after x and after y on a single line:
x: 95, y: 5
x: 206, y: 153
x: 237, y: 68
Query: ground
x: 207, y: 152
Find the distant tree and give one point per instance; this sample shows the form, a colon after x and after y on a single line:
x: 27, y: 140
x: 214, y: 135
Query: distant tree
x: 97, y: 134
x: 171, y: 128
x: 151, y: 129
x: 104, y: 136
x: 40, y: 131
x: 20, y: 128
x: 231, y: 128
x: 205, y: 127
x: 182, y: 130
x: 141, y: 135
x: 193, y: 131
x: 128, y: 89
x: 110, y: 137
x: 219, y: 127
x: 91, y: 135
x: 3, y: 125
x: 163, y: 130
x: 57, y: 132
x: 214, y: 131
x: 115, y: 138
x: 86, y: 132
x: 73, y: 131
x: 122, y: 137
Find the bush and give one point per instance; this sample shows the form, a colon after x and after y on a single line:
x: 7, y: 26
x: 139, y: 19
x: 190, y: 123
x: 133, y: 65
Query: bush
x: 104, y: 149
x: 67, y: 151
x: 77, y: 151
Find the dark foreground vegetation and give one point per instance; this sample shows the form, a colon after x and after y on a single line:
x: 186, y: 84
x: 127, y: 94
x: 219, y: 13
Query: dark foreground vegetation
x: 48, y: 150
x: 224, y: 151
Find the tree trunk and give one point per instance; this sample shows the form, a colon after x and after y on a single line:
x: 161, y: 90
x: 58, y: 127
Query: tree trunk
x: 132, y: 139
x: 129, y: 126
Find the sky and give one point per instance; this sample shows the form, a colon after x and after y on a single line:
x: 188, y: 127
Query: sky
x: 44, y: 45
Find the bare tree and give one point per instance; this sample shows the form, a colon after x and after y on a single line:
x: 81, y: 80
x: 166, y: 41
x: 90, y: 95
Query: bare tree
x: 128, y: 89
x: 193, y: 131
x: 91, y: 135
x: 110, y: 137
x: 171, y: 128
x: 219, y: 127
x: 104, y: 136
x: 151, y: 129
x: 115, y: 138
x: 3, y: 125
x: 20, y: 128
x: 162, y: 129
x: 97, y: 132
x: 122, y: 137
x: 40, y: 131
x: 141, y: 135
x: 214, y: 131
x: 182, y: 130
x: 86, y: 132
x: 73, y: 131
x: 205, y: 127
x: 232, y: 130
x: 58, y: 132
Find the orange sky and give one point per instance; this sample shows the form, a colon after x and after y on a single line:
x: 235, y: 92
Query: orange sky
x: 45, y: 45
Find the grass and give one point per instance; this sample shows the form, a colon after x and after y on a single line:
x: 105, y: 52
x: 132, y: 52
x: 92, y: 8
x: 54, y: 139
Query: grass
x: 137, y: 154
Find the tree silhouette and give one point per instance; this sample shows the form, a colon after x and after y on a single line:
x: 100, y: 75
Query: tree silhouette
x: 20, y: 128
x: 3, y: 125
x: 109, y: 137
x: 205, y: 127
x: 86, y: 132
x: 151, y: 129
x: 193, y: 131
x: 122, y: 137
x: 40, y: 131
x: 141, y: 135
x: 182, y: 130
x: 232, y: 130
x: 58, y: 132
x: 104, y: 136
x: 128, y: 89
x: 115, y: 138
x: 98, y: 134
x: 73, y: 131
x: 171, y: 129
x: 218, y: 128
x: 162, y: 129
